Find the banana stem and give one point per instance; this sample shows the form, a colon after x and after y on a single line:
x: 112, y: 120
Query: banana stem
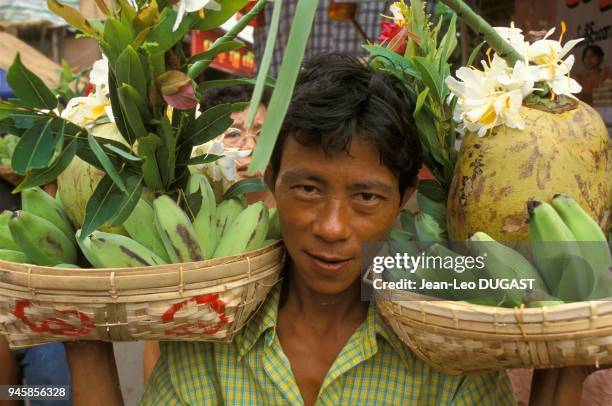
x: 483, y: 28
x: 197, y: 68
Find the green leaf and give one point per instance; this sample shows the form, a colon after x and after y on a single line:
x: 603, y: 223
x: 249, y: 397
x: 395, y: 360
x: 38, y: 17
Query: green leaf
x: 127, y: 9
x: 30, y: 89
x: 147, y: 149
x: 120, y: 120
x: 211, y: 123
x: 108, y: 166
x: 279, y: 103
x: 265, y: 63
x: 432, y: 189
x: 448, y: 43
x: 392, y: 59
x: 135, y: 186
x: 213, y: 19
x: 73, y: 17
x: 436, y: 209
x: 204, y: 159
x: 129, y: 70
x: 421, y: 100
x: 35, y: 148
x: 117, y: 37
x: 474, y: 53
x: 122, y: 153
x: 166, y: 156
x: 162, y: 38
x: 132, y: 114
x: 211, y: 53
x: 397, y: 234
x: 210, y: 84
x: 39, y: 177
x: 107, y: 201
x: 430, y: 77
x: 245, y: 186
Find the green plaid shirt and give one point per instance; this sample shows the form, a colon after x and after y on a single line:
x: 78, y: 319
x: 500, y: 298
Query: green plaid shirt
x: 373, y: 368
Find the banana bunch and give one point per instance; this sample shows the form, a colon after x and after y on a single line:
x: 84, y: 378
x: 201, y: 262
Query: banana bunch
x: 40, y: 233
x: 164, y: 232
x: 569, y: 249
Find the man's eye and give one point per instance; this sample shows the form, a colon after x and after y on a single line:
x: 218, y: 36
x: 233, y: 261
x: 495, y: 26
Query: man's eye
x: 232, y: 133
x: 368, y: 197
x: 305, y: 189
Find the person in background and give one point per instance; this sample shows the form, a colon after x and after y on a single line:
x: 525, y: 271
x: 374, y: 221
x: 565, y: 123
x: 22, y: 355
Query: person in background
x: 237, y: 136
x: 592, y: 58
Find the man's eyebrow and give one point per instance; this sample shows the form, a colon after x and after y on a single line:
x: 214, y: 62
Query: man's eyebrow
x: 298, y: 174
x: 372, y: 185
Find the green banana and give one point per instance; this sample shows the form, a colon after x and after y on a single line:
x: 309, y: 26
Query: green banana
x: 176, y: 231
x: 67, y: 266
x: 13, y: 256
x: 227, y: 211
x: 41, y: 240
x: 119, y: 251
x: 557, y: 255
x: 269, y: 242
x: 85, y: 246
x: 274, y: 229
x: 504, y: 263
x: 6, y: 239
x: 593, y: 244
x: 38, y: 202
x: 435, y: 209
x: 140, y: 225
x: 540, y: 298
x: 205, y: 221
x: 246, y: 233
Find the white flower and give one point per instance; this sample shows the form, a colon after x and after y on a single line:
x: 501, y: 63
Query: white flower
x: 85, y: 111
x: 515, y: 37
x: 548, y: 55
x: 490, y: 97
x: 99, y: 76
x: 189, y: 6
x: 398, y: 15
x: 223, y: 169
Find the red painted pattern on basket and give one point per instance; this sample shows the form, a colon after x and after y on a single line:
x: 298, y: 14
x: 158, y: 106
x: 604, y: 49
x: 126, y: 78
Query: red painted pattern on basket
x: 212, y: 300
x: 54, y: 325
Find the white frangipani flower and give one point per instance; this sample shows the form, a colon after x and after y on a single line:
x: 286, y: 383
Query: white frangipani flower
x: 85, y: 111
x: 223, y: 169
x: 189, y: 6
x: 515, y: 37
x: 99, y: 76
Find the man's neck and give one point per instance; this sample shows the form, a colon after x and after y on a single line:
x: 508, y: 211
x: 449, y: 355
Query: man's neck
x: 322, y: 311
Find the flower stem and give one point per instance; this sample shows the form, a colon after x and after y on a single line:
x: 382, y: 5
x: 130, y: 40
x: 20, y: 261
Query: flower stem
x: 483, y: 28
x: 197, y: 68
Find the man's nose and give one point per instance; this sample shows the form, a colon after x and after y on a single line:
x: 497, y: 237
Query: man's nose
x: 249, y: 141
x: 332, y: 223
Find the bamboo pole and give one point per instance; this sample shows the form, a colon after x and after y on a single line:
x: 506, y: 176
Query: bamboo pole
x: 483, y: 28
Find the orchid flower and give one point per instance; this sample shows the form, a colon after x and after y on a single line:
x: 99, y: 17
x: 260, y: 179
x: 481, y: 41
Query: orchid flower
x: 189, y: 6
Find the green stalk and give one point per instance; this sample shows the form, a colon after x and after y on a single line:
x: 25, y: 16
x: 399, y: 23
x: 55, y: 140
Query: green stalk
x: 478, y: 24
x: 197, y: 68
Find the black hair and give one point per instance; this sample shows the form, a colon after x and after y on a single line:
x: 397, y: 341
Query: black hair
x: 338, y: 97
x: 230, y: 94
x: 596, y: 49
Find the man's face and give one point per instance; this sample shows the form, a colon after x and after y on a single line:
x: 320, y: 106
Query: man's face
x: 328, y: 206
x: 239, y: 137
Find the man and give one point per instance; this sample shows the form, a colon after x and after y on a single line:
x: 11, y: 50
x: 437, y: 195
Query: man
x: 345, y: 161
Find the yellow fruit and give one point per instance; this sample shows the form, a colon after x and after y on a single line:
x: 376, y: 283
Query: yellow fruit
x: 77, y: 183
x: 564, y: 152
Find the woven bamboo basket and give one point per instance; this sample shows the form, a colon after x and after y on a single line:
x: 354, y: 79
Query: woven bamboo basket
x: 458, y: 337
x: 198, y: 301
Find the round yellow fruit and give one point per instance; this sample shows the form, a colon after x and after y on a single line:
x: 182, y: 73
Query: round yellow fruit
x: 557, y: 152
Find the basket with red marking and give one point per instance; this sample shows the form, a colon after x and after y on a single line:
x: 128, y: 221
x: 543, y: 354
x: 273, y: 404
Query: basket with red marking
x: 197, y: 301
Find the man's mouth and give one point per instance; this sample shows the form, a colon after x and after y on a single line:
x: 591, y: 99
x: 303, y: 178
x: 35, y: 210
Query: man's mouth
x: 329, y: 263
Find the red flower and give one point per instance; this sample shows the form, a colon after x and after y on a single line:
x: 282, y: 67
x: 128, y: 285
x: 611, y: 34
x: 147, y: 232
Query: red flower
x: 389, y: 32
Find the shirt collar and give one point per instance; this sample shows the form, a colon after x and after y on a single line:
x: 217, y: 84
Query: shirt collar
x: 264, y: 321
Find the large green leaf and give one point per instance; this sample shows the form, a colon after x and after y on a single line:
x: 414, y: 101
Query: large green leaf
x: 28, y: 87
x: 35, y: 148
x: 211, y: 53
x: 211, y: 123
x: 135, y: 187
x: 120, y: 120
x: 107, y: 201
x: 210, y: 84
x: 166, y: 156
x: 147, y: 149
x: 122, y: 153
x: 162, y: 38
x: 117, y: 37
x: 73, y: 17
x: 214, y: 19
x: 281, y: 97
x: 132, y: 114
x: 245, y: 186
x: 448, y: 43
x: 106, y: 163
x: 430, y: 77
x: 129, y: 70
x: 264, y: 65
x: 39, y: 177
x: 393, y: 60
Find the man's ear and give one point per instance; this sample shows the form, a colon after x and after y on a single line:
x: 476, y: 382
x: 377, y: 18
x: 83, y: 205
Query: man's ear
x: 269, y: 177
x: 408, y: 192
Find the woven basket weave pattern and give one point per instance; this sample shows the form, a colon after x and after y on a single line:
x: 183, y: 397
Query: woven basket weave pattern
x: 205, y: 301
